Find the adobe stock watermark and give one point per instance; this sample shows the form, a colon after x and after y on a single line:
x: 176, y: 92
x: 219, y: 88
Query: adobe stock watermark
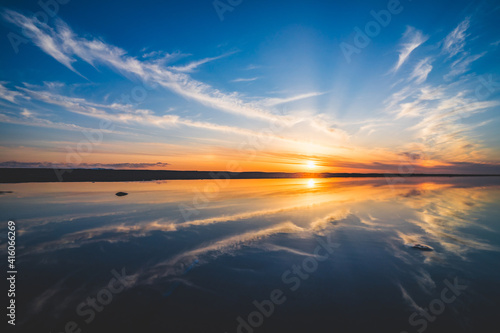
x: 49, y: 9
x: 421, y: 319
x: 222, y: 6
x: 485, y: 87
x: 363, y: 37
x: 88, y: 308
x: 293, y: 279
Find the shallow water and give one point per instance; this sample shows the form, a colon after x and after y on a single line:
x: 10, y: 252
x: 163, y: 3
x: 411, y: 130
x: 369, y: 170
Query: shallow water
x: 333, y: 254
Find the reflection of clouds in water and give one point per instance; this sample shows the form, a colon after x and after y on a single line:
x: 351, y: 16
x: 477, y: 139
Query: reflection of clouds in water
x: 441, y: 213
x: 370, y: 221
x: 110, y: 234
x: 438, y: 209
x: 123, y: 232
x: 29, y: 224
x: 269, y: 247
x: 40, y: 301
x: 424, y: 280
x: 231, y: 244
x: 409, y: 300
x: 419, y: 213
x: 220, y: 247
x: 242, y: 216
x: 317, y: 227
x: 321, y: 224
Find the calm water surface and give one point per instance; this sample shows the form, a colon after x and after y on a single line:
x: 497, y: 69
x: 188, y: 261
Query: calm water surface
x: 287, y: 255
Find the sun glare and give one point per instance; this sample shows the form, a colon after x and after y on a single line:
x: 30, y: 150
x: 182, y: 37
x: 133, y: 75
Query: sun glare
x: 311, y: 164
x: 311, y: 183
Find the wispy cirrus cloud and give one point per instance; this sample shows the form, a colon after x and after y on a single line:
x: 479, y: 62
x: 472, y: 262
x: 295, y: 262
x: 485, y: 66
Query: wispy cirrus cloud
x: 124, y: 114
x: 461, y: 65
x: 277, y: 101
x: 245, y: 79
x: 439, y: 130
x: 439, y: 107
x: 422, y: 70
x: 163, y: 56
x: 252, y: 67
x: 438, y: 110
x: 455, y: 41
x: 7, y: 94
x: 411, y: 39
x: 189, y: 68
x: 29, y: 117
x: 42, y: 36
x: 66, y: 47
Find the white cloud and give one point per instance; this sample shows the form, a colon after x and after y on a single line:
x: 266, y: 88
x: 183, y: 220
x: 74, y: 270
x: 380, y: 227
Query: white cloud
x: 412, y: 39
x: 66, y: 47
x: 277, y: 101
x: 252, y: 67
x: 422, y: 70
x: 29, y: 119
x: 126, y: 115
x: 42, y: 35
x: 195, y: 64
x: 455, y: 41
x: 245, y: 79
x: 461, y: 65
x: 9, y: 95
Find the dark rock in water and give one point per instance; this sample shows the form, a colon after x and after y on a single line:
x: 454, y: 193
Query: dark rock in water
x: 121, y: 194
x: 422, y: 247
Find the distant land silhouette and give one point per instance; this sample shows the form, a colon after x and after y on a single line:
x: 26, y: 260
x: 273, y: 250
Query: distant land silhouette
x: 28, y: 175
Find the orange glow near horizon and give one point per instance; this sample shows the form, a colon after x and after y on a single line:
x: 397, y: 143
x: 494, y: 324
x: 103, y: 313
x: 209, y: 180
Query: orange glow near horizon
x: 195, y: 159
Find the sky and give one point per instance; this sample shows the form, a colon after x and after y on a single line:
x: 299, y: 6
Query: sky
x: 291, y: 86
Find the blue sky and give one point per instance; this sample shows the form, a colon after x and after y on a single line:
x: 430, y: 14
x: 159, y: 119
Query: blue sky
x: 269, y: 87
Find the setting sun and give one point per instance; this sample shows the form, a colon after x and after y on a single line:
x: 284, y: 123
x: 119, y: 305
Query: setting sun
x: 311, y: 164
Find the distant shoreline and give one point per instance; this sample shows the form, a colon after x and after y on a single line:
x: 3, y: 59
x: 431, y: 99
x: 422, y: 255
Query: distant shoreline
x: 32, y: 175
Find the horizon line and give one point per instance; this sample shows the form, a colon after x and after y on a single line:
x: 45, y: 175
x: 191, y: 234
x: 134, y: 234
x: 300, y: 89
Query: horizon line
x: 28, y: 175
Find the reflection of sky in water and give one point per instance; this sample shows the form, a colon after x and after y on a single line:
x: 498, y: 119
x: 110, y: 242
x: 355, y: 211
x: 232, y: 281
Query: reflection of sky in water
x: 71, y: 235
